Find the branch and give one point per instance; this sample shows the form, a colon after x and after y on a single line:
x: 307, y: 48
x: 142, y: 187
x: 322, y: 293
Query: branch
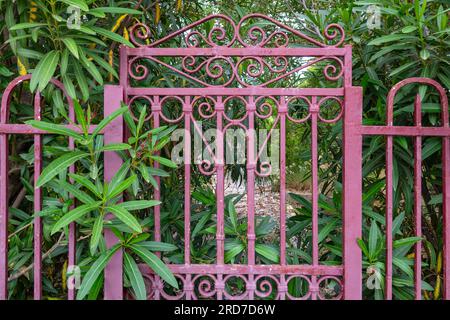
x: 45, y: 255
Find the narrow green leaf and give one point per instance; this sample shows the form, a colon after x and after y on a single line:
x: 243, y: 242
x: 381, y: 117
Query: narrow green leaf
x: 389, y: 38
x: 158, y: 246
x: 409, y: 29
x: 97, y: 230
x: 129, y: 121
x: 73, y: 215
x: 114, y: 147
x: 402, y: 264
x: 112, y: 36
x: 115, y: 10
x: 373, y: 238
x: 91, y: 69
x: 164, y: 161
x: 112, y: 193
x: 233, y: 214
x: 80, y: 116
x: 86, y: 183
x: 268, y: 252
x: 143, y: 169
x: 68, y: 84
x: 233, y: 251
x: 406, y: 241
x: 81, y: 79
x: 123, y: 215
x: 108, y: 119
x: 76, y: 192
x: 54, y: 128
x: 95, y: 271
x: 363, y: 247
x: 44, y: 71
x: 135, y: 277
x: 325, y: 231
x: 156, y: 265
x: 120, y: 175
x: 26, y: 25
x: 76, y: 3
x: 58, y: 165
x: 72, y: 46
x: 139, y: 204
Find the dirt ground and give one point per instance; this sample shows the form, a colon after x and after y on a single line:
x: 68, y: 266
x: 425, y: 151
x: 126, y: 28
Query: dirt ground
x: 267, y: 201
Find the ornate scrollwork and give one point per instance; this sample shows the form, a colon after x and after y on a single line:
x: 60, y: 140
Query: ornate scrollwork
x: 224, y: 68
x: 340, y: 111
x: 247, y: 71
x: 206, y: 286
x: 239, y: 286
x: 214, y: 68
x: 267, y: 286
x: 271, y: 32
x: 137, y: 70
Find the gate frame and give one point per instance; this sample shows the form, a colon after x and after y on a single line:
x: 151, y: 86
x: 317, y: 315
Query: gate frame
x: 352, y: 149
x: 353, y: 133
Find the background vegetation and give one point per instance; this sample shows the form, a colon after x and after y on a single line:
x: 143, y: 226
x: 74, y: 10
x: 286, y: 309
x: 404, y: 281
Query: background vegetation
x: 413, y: 40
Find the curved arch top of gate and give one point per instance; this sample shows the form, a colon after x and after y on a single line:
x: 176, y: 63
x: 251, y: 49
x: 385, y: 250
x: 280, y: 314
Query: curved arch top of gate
x: 256, y: 52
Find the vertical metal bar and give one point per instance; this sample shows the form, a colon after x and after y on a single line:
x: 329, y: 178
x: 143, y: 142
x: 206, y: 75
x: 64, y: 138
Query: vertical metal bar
x: 389, y: 214
x: 187, y: 180
x: 418, y: 199
x: 315, y: 184
x: 389, y: 196
x: 113, y: 95
x: 220, y: 187
x: 348, y: 65
x: 72, y: 227
x: 445, y: 194
x: 251, y: 165
x: 446, y: 209
x: 352, y: 196
x: 4, y: 213
x: 72, y: 238
x: 37, y: 272
x: 283, y: 111
x: 157, y: 209
x: 156, y: 109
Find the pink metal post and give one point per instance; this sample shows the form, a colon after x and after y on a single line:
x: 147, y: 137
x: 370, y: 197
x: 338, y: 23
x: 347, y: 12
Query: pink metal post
x: 352, y: 187
x: 251, y: 164
x: 418, y: 199
x: 37, y: 204
x: 220, y: 187
x: 446, y: 209
x: 282, y: 111
x: 4, y: 196
x: 113, y: 134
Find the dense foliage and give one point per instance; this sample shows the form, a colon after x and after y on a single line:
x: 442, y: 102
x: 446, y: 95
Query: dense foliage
x: 412, y: 40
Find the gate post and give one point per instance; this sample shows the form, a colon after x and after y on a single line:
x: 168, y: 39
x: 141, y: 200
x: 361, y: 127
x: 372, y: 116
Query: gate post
x: 352, y: 193
x: 113, y: 96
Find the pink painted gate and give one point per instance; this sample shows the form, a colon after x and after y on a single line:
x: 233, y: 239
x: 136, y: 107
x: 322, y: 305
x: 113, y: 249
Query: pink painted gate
x: 204, y: 76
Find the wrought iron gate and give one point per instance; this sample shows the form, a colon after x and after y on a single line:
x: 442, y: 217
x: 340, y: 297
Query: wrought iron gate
x: 243, y: 64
